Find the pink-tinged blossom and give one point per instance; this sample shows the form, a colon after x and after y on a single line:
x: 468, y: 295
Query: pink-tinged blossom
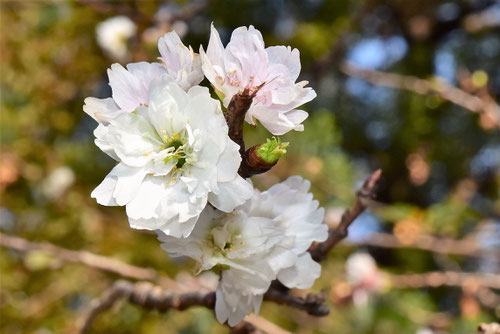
x: 246, y: 63
x: 182, y: 63
x: 130, y: 85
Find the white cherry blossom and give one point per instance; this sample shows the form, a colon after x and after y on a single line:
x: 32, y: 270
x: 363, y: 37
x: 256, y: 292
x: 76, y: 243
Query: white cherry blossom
x: 174, y: 155
x: 364, y: 276
x: 246, y: 63
x: 113, y: 35
x: 265, y: 239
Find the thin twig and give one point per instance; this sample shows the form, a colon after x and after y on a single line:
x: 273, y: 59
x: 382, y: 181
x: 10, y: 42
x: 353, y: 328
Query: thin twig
x: 110, y: 297
x: 313, y: 304
x: 430, y: 243
x: 479, y: 285
x: 337, y: 234
x: 87, y: 258
x: 445, y: 278
x: 440, y: 87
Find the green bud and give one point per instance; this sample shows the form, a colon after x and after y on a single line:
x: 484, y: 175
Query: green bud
x: 272, y: 150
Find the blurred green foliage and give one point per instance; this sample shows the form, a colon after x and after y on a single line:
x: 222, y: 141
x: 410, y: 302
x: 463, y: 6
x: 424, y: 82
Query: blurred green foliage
x: 440, y: 162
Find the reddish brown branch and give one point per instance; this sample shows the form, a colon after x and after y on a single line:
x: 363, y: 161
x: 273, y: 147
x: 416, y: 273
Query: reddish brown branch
x: 251, y: 163
x: 235, y: 116
x: 335, y: 235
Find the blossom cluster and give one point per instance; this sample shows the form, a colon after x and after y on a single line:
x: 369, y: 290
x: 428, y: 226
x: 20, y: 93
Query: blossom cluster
x: 177, y: 167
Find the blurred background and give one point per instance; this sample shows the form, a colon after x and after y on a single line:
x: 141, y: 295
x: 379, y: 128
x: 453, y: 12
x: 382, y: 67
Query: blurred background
x: 406, y: 86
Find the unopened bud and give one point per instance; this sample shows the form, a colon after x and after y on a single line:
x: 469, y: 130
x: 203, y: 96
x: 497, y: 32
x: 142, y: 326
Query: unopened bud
x: 272, y: 150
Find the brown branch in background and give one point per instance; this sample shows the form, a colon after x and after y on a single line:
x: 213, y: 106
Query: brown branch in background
x: 122, y: 288
x: 445, y: 278
x: 337, y: 234
x: 110, y: 297
x: 479, y: 285
x: 146, y: 295
x: 430, y: 243
x: 313, y: 304
x: 341, y: 43
x: 486, y: 107
x: 152, y: 297
x: 92, y: 260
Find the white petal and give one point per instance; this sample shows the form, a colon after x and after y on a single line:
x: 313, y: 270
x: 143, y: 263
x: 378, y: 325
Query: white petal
x: 231, y: 194
x: 205, y: 113
x: 167, y: 102
x: 221, y: 308
x: 215, y: 51
x: 291, y: 97
x: 128, y: 181
x: 278, y: 123
x: 247, y: 46
x: 302, y: 275
x: 104, y: 192
x: 229, y: 162
x: 182, y: 63
x: 119, y: 186
x: 213, y: 65
x: 147, y: 198
x: 102, y: 110
x: 133, y: 139
x: 103, y: 141
x: 130, y: 88
x: 286, y: 56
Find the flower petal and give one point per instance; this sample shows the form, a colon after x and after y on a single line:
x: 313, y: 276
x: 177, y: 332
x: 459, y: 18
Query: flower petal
x: 285, y: 55
x: 102, y: 110
x: 181, y: 62
x: 302, y: 275
x: 130, y: 87
x: 231, y: 194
